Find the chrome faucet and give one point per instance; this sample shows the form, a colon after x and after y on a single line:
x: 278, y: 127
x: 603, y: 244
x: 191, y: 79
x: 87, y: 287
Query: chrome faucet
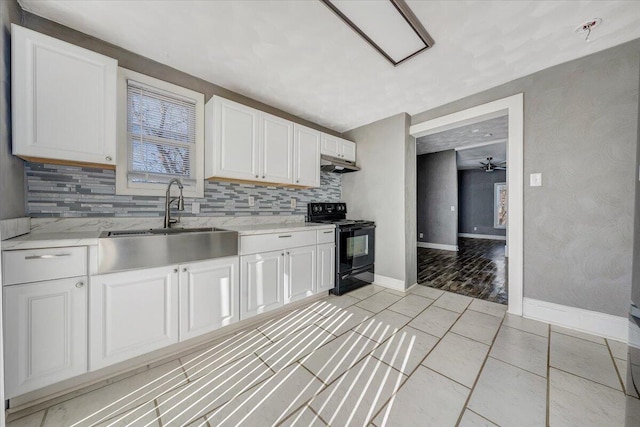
x: 168, y: 201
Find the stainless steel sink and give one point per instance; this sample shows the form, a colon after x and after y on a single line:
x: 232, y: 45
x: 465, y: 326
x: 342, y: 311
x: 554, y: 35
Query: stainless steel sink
x: 134, y: 249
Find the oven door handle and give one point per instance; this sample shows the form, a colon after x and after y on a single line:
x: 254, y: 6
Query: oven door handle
x: 356, y: 271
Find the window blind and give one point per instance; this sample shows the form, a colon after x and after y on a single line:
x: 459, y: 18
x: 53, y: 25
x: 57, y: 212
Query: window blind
x: 161, y: 130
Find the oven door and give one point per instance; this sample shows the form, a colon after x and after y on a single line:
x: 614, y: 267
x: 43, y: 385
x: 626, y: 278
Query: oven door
x: 355, y: 248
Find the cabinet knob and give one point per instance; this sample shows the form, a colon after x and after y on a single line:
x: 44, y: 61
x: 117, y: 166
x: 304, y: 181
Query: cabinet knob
x: 79, y: 285
x: 297, y: 180
x: 257, y: 176
x: 287, y: 253
x: 108, y: 158
x: 175, y: 270
x: 184, y: 269
x: 282, y: 254
x: 262, y: 176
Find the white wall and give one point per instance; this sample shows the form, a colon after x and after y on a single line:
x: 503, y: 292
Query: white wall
x: 378, y: 192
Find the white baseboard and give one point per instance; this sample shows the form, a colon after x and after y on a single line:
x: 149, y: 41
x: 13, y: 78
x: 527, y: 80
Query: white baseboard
x: 591, y: 322
x: 388, y: 282
x: 482, y: 236
x: 437, y: 246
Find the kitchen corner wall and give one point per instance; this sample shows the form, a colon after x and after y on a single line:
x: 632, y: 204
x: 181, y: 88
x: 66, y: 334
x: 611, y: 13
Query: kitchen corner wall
x: 580, y: 132
x: 11, y: 168
x: 380, y: 192
x: 72, y: 191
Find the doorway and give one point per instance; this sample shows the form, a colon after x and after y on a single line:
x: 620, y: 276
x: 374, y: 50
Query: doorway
x: 512, y: 108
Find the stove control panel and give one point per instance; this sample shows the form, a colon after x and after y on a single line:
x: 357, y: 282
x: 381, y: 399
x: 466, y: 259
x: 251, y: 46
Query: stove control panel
x: 326, y: 208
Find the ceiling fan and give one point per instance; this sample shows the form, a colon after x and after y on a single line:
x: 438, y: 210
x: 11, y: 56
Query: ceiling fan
x: 491, y: 166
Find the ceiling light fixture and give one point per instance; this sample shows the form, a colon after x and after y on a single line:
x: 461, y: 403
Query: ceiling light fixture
x: 389, y: 26
x: 587, y: 27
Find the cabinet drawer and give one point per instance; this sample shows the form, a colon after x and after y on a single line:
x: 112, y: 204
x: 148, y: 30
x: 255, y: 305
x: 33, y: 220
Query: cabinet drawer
x: 35, y: 265
x: 276, y: 241
x: 326, y: 236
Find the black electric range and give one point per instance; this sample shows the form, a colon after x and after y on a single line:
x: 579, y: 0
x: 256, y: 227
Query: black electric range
x: 355, y: 245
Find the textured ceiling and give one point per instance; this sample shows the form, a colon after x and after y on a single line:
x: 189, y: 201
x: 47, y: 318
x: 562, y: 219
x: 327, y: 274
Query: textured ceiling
x: 299, y: 57
x: 470, y: 158
x: 473, y: 134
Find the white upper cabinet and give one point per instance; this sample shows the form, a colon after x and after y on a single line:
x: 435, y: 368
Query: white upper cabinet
x: 306, y: 156
x: 276, y: 149
x: 232, y: 144
x: 246, y: 144
x: 338, y: 147
x: 63, y: 100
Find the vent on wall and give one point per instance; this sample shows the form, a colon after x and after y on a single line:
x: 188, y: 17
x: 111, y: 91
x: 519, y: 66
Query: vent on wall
x: 389, y: 26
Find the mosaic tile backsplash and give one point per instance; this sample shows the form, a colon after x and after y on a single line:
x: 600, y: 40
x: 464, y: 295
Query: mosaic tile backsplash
x: 73, y: 191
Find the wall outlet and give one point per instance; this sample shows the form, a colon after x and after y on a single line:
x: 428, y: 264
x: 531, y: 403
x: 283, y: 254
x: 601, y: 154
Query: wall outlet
x: 252, y: 201
x: 453, y: 208
x: 535, y: 180
x: 475, y: 228
x: 421, y: 235
x: 293, y: 203
x: 195, y: 207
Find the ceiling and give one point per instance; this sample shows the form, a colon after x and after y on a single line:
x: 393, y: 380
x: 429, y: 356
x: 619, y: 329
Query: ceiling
x: 299, y: 57
x: 473, y: 134
x: 470, y: 158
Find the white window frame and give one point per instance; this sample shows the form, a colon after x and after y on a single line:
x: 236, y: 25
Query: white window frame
x: 123, y: 186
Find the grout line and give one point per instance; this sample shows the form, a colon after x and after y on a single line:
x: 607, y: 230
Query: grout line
x: 157, y: 408
x: 527, y: 332
x: 318, y: 415
x: 475, y: 383
x: 481, y: 416
x: 548, y: 400
x: 615, y: 365
x: 44, y: 417
x: 573, y: 336
x: 588, y: 379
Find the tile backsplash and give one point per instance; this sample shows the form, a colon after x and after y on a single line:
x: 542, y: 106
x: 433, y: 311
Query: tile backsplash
x: 74, y: 191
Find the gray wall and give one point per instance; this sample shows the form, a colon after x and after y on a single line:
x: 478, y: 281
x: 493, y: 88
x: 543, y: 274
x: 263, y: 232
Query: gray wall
x: 11, y: 168
x: 635, y: 294
x: 475, y: 201
x: 377, y: 192
x: 580, y: 132
x: 437, y: 184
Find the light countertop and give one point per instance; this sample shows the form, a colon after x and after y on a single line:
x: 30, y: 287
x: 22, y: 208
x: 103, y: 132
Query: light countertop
x: 89, y: 238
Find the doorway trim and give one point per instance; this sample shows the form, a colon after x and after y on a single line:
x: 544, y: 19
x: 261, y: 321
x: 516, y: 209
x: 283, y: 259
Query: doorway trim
x: 514, y: 107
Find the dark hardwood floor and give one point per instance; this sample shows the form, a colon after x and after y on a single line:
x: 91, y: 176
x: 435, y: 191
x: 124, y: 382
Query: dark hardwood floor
x: 478, y: 269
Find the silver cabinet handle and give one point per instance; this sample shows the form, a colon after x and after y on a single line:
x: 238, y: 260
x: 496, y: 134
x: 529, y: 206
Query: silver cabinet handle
x: 282, y: 237
x: 79, y: 285
x: 108, y: 158
x: 46, y: 256
x: 328, y: 232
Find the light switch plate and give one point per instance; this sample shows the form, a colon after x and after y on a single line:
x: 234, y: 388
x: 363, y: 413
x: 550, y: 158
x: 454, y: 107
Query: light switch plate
x: 293, y: 203
x: 535, y: 180
x: 195, y: 207
x: 252, y: 201
x: 453, y: 208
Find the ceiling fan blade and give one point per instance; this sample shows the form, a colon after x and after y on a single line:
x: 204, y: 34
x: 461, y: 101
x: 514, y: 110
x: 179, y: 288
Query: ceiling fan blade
x: 500, y: 168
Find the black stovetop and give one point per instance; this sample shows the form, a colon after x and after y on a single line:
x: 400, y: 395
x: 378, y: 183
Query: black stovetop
x: 333, y: 213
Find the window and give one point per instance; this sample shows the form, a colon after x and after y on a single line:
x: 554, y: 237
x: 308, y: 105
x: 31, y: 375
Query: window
x: 500, y: 205
x: 160, y: 137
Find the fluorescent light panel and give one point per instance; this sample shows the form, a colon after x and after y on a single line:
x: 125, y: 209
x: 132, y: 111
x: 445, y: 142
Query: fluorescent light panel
x: 388, y: 25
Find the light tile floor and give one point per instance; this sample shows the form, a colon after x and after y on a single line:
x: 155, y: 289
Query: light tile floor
x: 373, y: 358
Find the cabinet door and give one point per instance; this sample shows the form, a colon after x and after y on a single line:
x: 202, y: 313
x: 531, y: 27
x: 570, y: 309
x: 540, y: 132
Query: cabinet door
x: 132, y: 313
x: 348, y: 151
x: 261, y: 283
x: 331, y: 145
x: 63, y: 100
x: 326, y: 266
x: 45, y: 333
x: 208, y: 296
x: 236, y: 141
x: 276, y: 149
x: 300, y: 276
x: 306, y: 156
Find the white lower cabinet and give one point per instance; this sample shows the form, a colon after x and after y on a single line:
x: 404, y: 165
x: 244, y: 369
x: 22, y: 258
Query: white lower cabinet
x: 326, y: 266
x: 132, y: 313
x: 261, y: 282
x: 45, y: 333
x: 300, y: 273
x: 208, y: 296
